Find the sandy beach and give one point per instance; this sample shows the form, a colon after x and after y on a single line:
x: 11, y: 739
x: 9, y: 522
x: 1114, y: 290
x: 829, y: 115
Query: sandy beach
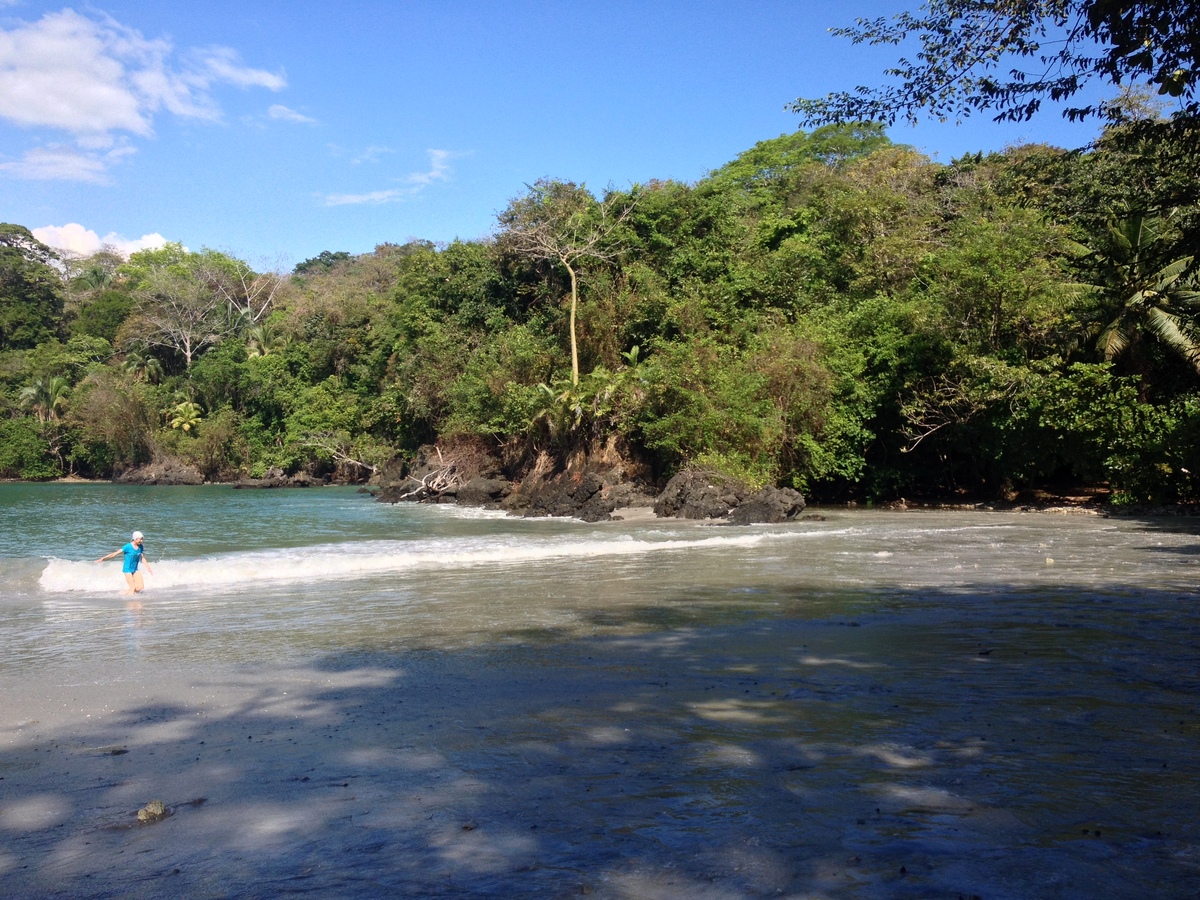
x: 781, y: 758
x: 555, y: 771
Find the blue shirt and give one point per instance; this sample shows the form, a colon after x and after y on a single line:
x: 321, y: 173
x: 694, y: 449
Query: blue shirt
x: 133, y: 556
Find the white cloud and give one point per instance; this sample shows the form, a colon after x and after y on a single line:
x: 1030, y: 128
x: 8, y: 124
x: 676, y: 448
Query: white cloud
x: 58, y: 164
x: 282, y: 113
x: 92, y: 77
x: 74, y: 239
x: 370, y: 155
x: 222, y: 65
x: 439, y: 169
x: 62, y: 72
x: 416, y: 182
x: 389, y: 196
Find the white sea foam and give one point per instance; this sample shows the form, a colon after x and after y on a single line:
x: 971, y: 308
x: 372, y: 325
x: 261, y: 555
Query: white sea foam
x: 339, y: 562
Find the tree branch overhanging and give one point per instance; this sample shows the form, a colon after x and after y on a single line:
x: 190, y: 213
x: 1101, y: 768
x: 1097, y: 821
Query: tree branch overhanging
x: 1007, y: 56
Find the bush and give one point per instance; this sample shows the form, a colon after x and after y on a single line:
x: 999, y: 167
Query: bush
x: 112, y: 422
x: 1158, y: 458
x: 216, y: 446
x: 24, y: 453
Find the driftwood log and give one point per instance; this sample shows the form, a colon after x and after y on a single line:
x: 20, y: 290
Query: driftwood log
x: 444, y: 478
x: 438, y: 474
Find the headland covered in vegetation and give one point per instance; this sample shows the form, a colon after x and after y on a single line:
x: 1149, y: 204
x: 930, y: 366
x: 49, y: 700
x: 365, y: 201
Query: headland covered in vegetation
x: 829, y: 312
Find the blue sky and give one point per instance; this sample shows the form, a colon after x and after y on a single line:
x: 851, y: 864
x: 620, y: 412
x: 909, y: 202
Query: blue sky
x: 276, y: 130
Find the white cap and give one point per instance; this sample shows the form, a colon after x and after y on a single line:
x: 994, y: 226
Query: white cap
x: 137, y: 535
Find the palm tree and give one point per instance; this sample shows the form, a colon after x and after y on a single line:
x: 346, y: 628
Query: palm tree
x: 94, y: 278
x: 141, y: 365
x: 1145, y: 299
x: 187, y: 415
x: 263, y: 340
x: 45, y: 397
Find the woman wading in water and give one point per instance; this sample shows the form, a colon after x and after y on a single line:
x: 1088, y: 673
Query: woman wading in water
x: 134, y: 554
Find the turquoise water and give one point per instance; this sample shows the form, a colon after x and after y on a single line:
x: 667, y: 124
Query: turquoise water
x: 871, y: 704
x: 66, y: 521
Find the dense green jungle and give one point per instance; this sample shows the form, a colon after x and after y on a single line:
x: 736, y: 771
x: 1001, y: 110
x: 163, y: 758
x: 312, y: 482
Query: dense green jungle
x: 830, y: 311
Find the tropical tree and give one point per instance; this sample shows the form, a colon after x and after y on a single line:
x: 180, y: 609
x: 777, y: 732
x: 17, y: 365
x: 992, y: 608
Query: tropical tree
x: 89, y: 275
x: 1144, y: 297
x: 263, y: 339
x: 31, y: 302
x: 562, y: 222
x: 321, y: 263
x: 110, y: 422
x: 189, y: 302
x: 1051, y: 49
x: 249, y: 294
x: 46, y: 397
x: 186, y: 415
x: 142, y: 366
x: 100, y: 313
x: 179, y: 312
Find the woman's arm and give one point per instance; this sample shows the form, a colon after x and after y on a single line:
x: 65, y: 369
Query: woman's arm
x: 110, y: 556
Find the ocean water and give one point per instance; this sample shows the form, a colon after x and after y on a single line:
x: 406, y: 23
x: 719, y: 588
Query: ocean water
x: 861, y: 703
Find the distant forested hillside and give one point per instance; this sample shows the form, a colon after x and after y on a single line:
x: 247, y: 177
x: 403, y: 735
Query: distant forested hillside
x: 829, y: 311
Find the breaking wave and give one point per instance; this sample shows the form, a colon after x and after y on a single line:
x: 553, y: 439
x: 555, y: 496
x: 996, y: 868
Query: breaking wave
x: 339, y: 562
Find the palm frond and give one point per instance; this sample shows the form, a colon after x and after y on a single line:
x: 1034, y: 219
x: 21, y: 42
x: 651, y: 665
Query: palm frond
x: 1171, y: 331
x: 1170, y: 273
x: 1113, y: 340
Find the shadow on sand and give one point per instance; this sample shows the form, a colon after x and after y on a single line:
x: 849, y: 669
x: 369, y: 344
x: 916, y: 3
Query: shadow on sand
x: 896, y: 744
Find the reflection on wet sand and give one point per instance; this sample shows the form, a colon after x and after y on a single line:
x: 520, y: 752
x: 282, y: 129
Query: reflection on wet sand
x: 134, y: 625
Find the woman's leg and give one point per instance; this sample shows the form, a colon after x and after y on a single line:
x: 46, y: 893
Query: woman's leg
x: 138, y: 584
x: 129, y: 581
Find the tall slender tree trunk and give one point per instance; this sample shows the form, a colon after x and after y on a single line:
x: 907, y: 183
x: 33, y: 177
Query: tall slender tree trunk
x: 574, y: 305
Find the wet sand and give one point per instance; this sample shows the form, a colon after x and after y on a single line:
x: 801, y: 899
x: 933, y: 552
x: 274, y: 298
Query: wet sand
x: 887, y: 750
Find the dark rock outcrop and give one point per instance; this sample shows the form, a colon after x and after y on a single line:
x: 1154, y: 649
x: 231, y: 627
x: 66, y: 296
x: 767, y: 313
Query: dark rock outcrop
x: 630, y: 495
x: 699, y: 494
x: 480, y: 491
x: 389, y: 480
x: 704, y: 494
x: 164, y: 471
x: 441, y: 474
x: 578, y: 494
x: 585, y: 495
x: 276, y: 479
x: 589, y: 487
x: 769, y: 505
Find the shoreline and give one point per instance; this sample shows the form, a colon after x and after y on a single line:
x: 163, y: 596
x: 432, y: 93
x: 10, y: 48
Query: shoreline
x: 1085, y: 503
